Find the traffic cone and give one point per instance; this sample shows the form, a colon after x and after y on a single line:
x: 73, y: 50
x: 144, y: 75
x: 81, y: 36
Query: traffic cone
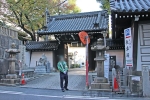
x: 23, y: 82
x: 116, y: 86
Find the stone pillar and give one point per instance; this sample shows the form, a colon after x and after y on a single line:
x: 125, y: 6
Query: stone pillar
x: 11, y: 78
x: 100, y: 69
x: 100, y: 82
x: 146, y: 82
x: 113, y: 76
x: 22, y: 50
x: 12, y: 60
x: 125, y: 76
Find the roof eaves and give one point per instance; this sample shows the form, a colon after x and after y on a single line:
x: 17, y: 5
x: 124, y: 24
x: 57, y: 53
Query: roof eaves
x: 79, y: 14
x: 48, y: 32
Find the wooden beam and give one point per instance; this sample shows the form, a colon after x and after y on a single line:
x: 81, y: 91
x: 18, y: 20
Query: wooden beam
x: 113, y: 25
x: 135, y: 46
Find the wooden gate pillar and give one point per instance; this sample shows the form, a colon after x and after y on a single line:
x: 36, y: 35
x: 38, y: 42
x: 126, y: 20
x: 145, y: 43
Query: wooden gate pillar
x: 62, y: 51
x: 92, y: 55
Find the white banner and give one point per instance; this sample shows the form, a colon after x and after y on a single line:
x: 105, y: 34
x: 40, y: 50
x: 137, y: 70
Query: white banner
x: 106, y: 66
x: 128, y: 47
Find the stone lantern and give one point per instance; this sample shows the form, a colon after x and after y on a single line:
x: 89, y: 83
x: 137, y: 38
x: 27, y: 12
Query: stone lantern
x: 11, y: 78
x: 100, y: 82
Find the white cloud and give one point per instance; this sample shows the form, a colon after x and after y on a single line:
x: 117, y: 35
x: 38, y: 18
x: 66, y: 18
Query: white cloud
x: 88, y: 5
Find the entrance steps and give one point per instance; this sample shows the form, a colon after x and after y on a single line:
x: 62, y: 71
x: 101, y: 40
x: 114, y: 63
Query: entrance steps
x: 101, y: 90
x: 40, y: 69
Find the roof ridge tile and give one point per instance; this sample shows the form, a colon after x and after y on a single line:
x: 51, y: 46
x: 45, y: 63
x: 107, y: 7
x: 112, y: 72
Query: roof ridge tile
x: 135, y: 5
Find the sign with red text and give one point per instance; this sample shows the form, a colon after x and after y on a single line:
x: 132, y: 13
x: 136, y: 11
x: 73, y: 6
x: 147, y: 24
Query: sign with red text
x: 128, y: 47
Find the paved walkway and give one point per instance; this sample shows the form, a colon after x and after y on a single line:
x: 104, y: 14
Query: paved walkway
x: 52, y: 80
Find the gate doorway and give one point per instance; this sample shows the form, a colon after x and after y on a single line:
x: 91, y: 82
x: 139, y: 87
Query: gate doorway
x: 65, y: 29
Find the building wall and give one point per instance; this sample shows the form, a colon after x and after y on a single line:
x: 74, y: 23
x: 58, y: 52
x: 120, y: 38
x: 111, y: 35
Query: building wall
x: 143, y: 55
x: 35, y: 56
x: 119, y: 56
x: 27, y: 58
x: 81, y: 53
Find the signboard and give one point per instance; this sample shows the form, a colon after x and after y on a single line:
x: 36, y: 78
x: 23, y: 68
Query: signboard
x: 106, y: 66
x: 136, y: 78
x: 128, y: 47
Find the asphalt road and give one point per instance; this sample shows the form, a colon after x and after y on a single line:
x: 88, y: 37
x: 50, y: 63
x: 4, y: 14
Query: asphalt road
x: 7, y: 96
x: 16, y: 93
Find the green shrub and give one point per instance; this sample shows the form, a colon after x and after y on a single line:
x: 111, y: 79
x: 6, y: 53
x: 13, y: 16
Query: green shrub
x: 75, y: 66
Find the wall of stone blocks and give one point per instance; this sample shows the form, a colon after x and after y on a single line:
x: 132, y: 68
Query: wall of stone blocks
x: 7, y: 36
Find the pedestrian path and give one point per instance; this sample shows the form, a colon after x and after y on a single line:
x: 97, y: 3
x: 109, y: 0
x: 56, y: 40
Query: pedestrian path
x: 52, y: 81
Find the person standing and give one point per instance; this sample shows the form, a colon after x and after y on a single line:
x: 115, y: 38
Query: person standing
x: 62, y: 67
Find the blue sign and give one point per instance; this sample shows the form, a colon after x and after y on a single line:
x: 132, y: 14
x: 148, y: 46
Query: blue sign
x: 127, y: 32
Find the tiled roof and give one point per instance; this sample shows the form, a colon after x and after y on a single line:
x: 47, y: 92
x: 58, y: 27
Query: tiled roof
x: 130, y: 5
x: 42, y: 45
x: 71, y: 23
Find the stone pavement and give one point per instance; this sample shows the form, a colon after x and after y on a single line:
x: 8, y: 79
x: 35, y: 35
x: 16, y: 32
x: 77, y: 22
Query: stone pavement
x: 52, y: 80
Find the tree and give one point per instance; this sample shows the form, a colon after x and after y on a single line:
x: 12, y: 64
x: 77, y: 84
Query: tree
x: 105, y: 5
x: 28, y: 14
x: 65, y: 7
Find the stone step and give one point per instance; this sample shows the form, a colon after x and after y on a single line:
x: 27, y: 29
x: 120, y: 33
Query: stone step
x: 40, y: 69
x: 100, y: 85
x: 100, y: 80
x: 11, y: 76
x: 10, y: 81
x: 103, y: 90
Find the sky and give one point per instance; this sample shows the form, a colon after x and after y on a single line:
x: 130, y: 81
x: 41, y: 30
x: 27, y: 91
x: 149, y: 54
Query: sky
x: 88, y: 5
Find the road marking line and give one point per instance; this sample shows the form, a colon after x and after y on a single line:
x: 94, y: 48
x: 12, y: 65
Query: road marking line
x: 50, y: 96
x: 12, y: 92
x: 85, y: 97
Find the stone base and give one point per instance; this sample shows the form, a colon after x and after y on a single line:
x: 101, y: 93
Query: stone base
x: 40, y: 69
x: 100, y: 83
x: 11, y: 76
x: 10, y: 81
x: 100, y: 86
x: 100, y: 80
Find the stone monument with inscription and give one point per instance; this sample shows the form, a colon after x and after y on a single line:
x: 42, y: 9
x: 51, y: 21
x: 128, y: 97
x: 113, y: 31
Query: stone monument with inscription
x: 145, y: 81
x: 100, y: 82
x: 22, y: 49
x: 11, y: 77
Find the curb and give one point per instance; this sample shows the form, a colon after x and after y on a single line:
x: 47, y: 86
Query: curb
x: 18, y: 84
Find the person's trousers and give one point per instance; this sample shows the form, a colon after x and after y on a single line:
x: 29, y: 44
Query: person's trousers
x: 63, y: 77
